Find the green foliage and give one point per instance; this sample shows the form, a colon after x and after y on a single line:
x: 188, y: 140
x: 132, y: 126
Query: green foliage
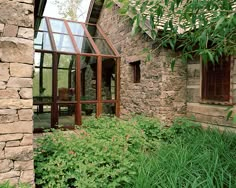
x: 8, y: 185
x: 197, y: 158
x: 103, y: 154
x: 205, y: 27
x: 109, y: 152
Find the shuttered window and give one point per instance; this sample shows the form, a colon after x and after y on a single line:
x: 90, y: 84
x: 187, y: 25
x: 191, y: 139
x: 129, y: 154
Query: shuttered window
x: 216, y: 80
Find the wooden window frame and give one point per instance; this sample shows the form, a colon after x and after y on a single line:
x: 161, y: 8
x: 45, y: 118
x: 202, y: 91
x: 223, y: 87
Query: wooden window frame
x: 211, y: 100
x: 136, y: 70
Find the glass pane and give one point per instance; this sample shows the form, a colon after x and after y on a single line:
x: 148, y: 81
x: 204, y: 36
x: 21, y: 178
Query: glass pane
x: 108, y: 79
x: 76, y: 28
x: 42, y: 41
x: 103, y: 46
x: 92, y: 29
x: 42, y: 81
x: 43, y: 25
x: 66, y: 114
x: 42, y: 116
x: 109, y: 109
x: 58, y: 26
x: 88, y: 109
x: 63, y: 43
x: 84, y: 45
x: 88, y: 78
x: 66, y: 78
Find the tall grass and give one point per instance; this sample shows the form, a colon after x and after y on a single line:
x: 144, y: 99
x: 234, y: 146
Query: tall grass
x: 198, y: 158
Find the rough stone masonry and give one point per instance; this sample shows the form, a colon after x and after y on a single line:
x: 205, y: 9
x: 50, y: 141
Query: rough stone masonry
x: 16, y: 68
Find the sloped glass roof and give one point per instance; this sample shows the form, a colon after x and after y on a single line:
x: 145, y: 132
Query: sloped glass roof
x: 60, y: 36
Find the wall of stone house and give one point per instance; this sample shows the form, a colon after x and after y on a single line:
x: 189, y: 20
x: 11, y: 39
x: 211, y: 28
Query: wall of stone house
x: 16, y: 61
x: 161, y: 93
x: 207, y: 114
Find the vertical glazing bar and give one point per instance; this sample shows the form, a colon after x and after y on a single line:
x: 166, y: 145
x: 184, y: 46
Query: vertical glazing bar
x: 118, y: 61
x: 78, y: 117
x: 108, y: 41
x: 99, y: 86
x: 91, y: 39
x: 55, y: 58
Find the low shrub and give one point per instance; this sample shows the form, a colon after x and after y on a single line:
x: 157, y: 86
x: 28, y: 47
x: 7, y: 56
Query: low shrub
x: 103, y: 154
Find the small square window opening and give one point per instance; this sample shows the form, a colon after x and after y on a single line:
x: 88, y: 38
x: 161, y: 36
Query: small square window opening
x: 136, y: 71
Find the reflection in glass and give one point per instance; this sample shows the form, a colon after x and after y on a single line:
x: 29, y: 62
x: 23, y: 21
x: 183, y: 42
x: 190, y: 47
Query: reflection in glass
x: 42, y: 119
x: 42, y: 41
x: 76, y: 28
x: 43, y: 25
x: 108, y: 79
x: 88, y: 109
x: 66, y: 78
x: 66, y: 114
x: 103, y: 46
x: 88, y: 71
x: 58, y: 26
x: 63, y: 43
x: 108, y: 108
x: 84, y: 45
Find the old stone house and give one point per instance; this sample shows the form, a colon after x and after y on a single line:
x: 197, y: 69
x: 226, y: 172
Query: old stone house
x: 151, y: 88
x: 148, y: 88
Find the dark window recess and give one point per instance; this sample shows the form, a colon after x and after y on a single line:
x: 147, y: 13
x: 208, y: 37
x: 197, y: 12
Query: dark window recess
x: 136, y: 71
x: 216, y: 80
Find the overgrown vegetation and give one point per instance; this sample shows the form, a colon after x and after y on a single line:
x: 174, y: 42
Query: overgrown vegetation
x: 8, y: 185
x: 108, y: 152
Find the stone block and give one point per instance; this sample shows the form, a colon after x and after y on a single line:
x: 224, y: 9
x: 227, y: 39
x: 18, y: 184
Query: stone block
x: 8, y: 118
x: 9, y: 94
x: 27, y: 140
x: 10, y: 31
x: 7, y: 112
x: 12, y: 143
x: 1, y: 27
x: 4, y: 73
x: 15, y: 82
x: 21, y: 13
x: 6, y: 165
x: 10, y: 174
x: 26, y: 93
x: 27, y: 33
x: 17, y: 127
x: 27, y: 176
x: 3, y: 85
x: 21, y: 70
x: 24, y: 165
x: 22, y: 153
x: 15, y: 103
x: 2, y: 155
x: 16, y: 49
x: 2, y: 145
x: 25, y: 114
x: 10, y: 137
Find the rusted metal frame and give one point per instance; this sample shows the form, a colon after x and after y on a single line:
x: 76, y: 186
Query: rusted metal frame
x: 78, y: 115
x: 99, y: 87
x: 54, y: 113
x: 108, y: 101
x: 66, y: 102
x: 89, y: 102
x: 69, y: 71
x: 69, y: 20
x: 118, y: 62
x: 59, y: 68
x: 41, y: 79
x: 108, y: 41
x: 91, y: 39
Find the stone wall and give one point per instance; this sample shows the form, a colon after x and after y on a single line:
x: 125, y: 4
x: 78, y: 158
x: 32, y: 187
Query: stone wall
x: 160, y: 93
x: 207, y: 114
x: 16, y: 63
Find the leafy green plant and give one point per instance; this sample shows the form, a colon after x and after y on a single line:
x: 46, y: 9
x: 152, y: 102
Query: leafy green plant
x: 8, y: 185
x: 199, y: 158
x: 102, y: 154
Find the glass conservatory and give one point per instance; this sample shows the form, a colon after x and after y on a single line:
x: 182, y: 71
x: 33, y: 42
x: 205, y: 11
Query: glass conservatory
x: 76, y: 73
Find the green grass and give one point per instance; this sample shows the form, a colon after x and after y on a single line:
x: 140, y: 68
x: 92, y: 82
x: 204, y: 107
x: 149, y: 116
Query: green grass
x: 137, y: 153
